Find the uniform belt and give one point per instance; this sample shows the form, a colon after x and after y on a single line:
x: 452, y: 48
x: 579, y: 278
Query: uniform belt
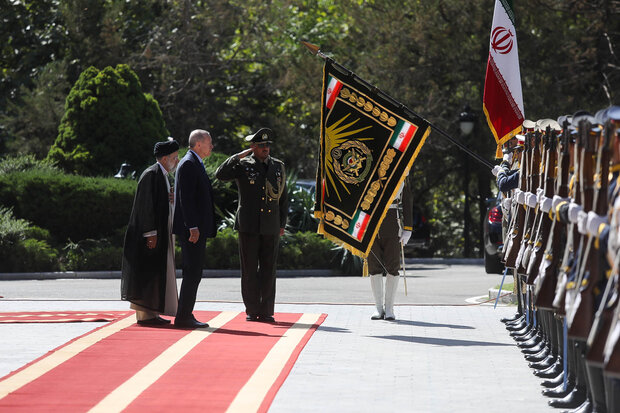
x: 394, y: 206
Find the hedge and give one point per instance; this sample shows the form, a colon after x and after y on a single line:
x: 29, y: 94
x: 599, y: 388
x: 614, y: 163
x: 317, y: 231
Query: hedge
x: 71, y: 207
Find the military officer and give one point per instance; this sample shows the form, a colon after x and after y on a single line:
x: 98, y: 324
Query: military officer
x: 260, y: 220
x: 384, y: 257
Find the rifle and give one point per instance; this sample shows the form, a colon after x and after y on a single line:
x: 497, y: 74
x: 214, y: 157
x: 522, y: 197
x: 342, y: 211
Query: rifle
x: 544, y: 220
x: 515, y: 232
x: 530, y: 213
x: 581, y: 314
x: 548, y: 271
x: 572, y: 241
x: 603, y: 318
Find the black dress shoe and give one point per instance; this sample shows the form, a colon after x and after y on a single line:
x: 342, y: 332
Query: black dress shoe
x: 266, y: 319
x: 571, y: 401
x: 555, y: 381
x: 551, y: 360
x: 558, y: 392
x: 507, y: 320
x: 549, y: 373
x: 189, y: 323
x: 251, y: 317
x: 155, y: 321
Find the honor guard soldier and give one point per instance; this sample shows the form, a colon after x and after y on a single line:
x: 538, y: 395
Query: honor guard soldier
x: 384, y: 257
x: 260, y: 220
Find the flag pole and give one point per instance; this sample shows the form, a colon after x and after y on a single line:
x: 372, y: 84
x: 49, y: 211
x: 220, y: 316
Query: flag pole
x: 314, y: 49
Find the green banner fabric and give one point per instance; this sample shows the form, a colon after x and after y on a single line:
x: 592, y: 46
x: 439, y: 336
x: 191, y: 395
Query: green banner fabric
x: 367, y: 146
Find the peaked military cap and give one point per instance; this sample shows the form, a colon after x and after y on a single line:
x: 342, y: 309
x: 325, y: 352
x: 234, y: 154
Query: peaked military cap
x: 165, y: 148
x: 583, y: 115
x: 610, y: 113
x: 260, y: 136
x: 528, y: 124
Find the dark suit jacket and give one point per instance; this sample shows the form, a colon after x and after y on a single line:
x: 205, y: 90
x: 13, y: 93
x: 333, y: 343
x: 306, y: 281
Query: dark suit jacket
x: 263, y: 201
x: 194, y: 199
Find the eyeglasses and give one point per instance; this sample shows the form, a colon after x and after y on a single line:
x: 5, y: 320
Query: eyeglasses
x: 263, y: 144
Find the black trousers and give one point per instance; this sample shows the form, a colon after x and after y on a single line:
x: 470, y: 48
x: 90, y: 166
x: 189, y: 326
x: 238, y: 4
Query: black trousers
x: 193, y: 259
x: 258, y: 254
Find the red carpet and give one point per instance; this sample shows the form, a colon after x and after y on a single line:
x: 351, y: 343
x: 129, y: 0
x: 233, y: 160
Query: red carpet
x: 234, y: 365
x: 61, y: 316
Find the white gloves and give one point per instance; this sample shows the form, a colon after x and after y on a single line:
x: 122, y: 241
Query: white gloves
x: 404, y: 237
x: 573, y: 212
x: 507, y: 203
x: 507, y: 157
x: 539, y: 192
x: 582, y: 222
x: 545, y: 203
x: 496, y: 170
x: 520, y: 197
x: 594, y: 222
x: 556, y: 201
x: 531, y: 200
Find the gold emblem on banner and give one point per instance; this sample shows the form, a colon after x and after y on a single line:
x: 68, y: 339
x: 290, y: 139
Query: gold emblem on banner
x: 352, y: 161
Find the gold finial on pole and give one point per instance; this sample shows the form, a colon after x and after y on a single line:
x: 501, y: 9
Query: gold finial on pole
x: 314, y: 49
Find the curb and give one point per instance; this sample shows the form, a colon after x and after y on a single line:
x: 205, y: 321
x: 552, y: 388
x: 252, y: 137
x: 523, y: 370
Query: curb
x: 505, y: 298
x: 106, y: 275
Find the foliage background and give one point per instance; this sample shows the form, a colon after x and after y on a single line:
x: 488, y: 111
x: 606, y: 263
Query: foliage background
x: 232, y: 66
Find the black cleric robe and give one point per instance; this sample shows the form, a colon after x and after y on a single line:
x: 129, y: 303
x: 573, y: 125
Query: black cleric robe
x: 143, y: 279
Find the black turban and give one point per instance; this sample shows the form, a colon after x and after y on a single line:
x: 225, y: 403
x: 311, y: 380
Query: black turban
x: 165, y: 148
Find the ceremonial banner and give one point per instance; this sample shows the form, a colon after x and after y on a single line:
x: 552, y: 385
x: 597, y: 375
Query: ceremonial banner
x: 368, y: 144
x: 503, y: 101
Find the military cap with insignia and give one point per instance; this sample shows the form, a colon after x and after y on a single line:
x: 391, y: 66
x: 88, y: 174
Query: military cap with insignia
x: 165, y: 148
x: 263, y: 135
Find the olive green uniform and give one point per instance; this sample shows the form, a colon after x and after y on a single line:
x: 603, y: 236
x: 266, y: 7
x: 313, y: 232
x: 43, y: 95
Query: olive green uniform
x: 262, y: 211
x: 386, y: 247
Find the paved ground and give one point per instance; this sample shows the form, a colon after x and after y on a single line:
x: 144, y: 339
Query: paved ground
x: 442, y: 355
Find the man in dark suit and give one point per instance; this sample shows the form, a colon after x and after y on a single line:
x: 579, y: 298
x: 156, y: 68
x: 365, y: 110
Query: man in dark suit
x: 260, y: 220
x: 194, y: 222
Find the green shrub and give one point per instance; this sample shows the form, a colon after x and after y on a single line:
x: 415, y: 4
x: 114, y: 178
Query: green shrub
x: 69, y: 206
x: 305, y: 250
x: 107, y: 120
x: 92, y: 255
x: 223, y: 250
x: 25, y: 163
x: 24, y: 247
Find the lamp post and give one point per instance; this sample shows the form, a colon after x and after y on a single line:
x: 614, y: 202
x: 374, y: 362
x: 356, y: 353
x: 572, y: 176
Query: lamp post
x: 466, y: 124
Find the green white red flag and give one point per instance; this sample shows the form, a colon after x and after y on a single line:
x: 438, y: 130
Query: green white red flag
x: 503, y: 100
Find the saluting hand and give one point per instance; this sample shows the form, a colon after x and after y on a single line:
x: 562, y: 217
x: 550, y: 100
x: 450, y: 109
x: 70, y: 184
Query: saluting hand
x: 245, y: 153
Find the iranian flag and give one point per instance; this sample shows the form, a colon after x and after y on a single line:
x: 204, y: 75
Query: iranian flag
x: 333, y: 88
x: 403, y: 133
x: 359, y: 224
x: 503, y: 101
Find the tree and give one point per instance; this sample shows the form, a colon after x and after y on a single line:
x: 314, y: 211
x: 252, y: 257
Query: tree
x: 108, y: 120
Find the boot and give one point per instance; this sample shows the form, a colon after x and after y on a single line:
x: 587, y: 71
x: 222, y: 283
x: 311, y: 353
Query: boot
x: 376, y: 283
x: 391, y: 284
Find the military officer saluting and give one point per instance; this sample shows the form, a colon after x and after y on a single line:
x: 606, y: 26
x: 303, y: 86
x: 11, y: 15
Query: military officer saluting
x: 260, y: 220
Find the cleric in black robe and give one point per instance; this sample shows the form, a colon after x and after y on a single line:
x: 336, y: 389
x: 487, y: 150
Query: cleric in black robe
x: 148, y: 271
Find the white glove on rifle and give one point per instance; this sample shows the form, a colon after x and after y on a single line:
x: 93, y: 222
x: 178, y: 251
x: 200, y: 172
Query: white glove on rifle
x: 404, y: 237
x: 573, y: 212
x: 530, y: 199
x: 520, y: 197
x: 496, y: 170
x: 594, y: 222
x: 582, y: 222
x: 507, y: 157
x: 507, y: 203
x: 539, y: 192
x: 556, y: 200
x: 545, y: 203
